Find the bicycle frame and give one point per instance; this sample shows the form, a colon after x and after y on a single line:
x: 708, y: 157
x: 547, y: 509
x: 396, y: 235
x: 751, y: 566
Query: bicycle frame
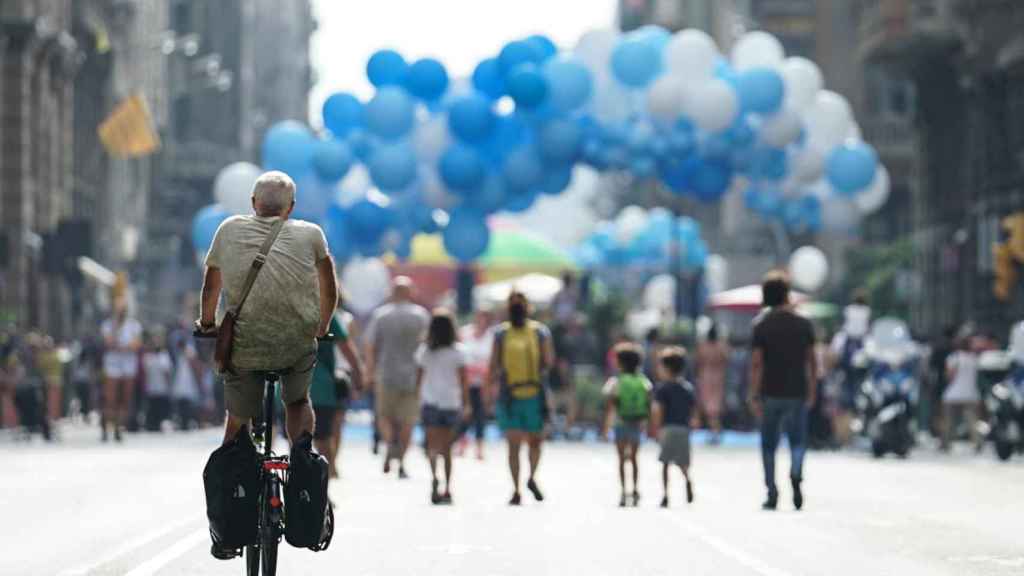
x: 273, y: 470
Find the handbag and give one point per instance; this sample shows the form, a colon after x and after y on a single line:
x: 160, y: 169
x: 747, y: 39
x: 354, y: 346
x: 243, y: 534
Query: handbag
x: 226, y: 330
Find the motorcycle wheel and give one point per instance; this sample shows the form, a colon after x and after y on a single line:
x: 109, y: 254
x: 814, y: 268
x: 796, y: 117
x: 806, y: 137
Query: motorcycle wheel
x: 878, y: 448
x: 1004, y: 450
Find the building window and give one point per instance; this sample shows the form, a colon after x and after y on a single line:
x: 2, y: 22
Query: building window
x: 182, y: 19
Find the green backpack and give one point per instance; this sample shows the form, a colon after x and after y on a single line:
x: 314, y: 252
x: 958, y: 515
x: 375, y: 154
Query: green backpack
x: 634, y: 402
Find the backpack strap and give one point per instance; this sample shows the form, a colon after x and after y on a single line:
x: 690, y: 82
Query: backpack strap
x: 257, y: 263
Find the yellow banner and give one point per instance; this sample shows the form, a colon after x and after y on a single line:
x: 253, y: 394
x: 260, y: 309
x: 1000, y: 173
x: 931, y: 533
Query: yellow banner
x: 129, y: 132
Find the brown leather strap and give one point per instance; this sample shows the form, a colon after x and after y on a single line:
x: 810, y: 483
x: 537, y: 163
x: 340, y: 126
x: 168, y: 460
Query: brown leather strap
x: 258, y: 262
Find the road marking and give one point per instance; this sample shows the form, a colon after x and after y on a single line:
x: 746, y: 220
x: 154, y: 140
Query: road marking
x: 127, y: 548
x: 178, y: 549
x: 728, y: 550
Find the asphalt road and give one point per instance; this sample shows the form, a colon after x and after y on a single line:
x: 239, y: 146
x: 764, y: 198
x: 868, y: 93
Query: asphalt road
x: 84, y: 508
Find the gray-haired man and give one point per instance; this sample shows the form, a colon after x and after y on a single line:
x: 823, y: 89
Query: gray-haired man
x: 290, y: 304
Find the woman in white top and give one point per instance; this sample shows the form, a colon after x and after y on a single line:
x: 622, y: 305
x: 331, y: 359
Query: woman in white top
x: 122, y: 338
x: 961, y: 395
x: 443, y: 389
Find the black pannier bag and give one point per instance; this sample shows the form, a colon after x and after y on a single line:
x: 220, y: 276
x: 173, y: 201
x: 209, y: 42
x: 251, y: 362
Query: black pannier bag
x: 232, y: 482
x: 309, y: 519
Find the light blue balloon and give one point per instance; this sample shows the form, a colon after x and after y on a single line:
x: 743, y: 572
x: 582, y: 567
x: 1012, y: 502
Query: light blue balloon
x: 522, y: 170
x: 390, y: 114
x: 635, y: 62
x: 652, y: 34
x: 386, y: 68
x: 393, y: 167
x: 471, y: 118
x: 488, y: 78
x: 342, y: 112
x: 761, y: 90
x: 490, y: 198
x: 851, y: 167
x: 527, y: 86
x: 462, y: 169
x: 769, y: 164
x: 569, y: 83
x: 367, y: 222
x: 288, y: 147
x: 312, y: 198
x: 466, y: 236
x: 543, y: 46
x: 331, y: 159
x: 643, y: 167
x: 559, y: 142
x: 556, y: 180
x: 427, y: 79
x: 205, y: 224
x: 337, y: 233
x: 515, y: 54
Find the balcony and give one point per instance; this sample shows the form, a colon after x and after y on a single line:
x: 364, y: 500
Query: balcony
x: 906, y: 29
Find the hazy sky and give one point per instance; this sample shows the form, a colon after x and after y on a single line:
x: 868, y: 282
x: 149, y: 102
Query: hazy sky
x: 459, y: 33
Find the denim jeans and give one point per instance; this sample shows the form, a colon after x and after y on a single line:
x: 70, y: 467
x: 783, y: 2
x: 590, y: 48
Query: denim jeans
x: 789, y: 414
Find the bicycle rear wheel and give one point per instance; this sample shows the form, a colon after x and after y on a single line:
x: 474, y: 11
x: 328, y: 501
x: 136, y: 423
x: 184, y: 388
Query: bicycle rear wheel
x: 268, y: 553
x: 252, y: 560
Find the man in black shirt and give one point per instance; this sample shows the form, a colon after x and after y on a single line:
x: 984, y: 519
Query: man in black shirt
x: 783, y: 372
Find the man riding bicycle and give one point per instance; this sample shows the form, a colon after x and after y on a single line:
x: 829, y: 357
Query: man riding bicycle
x: 291, y: 303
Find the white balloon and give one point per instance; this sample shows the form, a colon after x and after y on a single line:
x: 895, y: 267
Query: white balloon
x: 808, y: 267
x: 630, y: 222
x: 595, y: 47
x: 828, y: 120
x: 803, y: 81
x: 665, y: 99
x: 877, y: 194
x: 367, y: 283
x: 713, y: 105
x: 716, y: 273
x: 781, y: 129
x: 233, y: 187
x: 839, y: 215
x: 808, y: 164
x: 757, y: 49
x: 660, y: 293
x: 611, y: 101
x: 354, y: 186
x: 432, y: 138
x: 691, y: 54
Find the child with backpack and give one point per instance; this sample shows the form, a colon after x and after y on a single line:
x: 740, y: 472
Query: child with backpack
x: 628, y: 398
x: 443, y: 388
x: 673, y: 408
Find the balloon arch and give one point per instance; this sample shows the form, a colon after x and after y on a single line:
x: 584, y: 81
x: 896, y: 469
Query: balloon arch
x: 427, y: 154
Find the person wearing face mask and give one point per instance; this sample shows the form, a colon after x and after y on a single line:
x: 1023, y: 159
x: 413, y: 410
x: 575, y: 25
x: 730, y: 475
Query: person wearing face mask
x: 520, y: 358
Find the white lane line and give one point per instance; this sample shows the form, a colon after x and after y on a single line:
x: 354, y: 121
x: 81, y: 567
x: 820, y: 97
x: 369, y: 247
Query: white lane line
x: 721, y: 546
x: 127, y: 548
x: 172, y: 553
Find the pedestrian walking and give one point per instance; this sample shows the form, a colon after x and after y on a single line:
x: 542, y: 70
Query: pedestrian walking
x: 186, y: 387
x: 122, y: 338
x: 783, y: 377
x: 674, y: 401
x: 960, y: 399
x: 520, y: 359
x: 443, y: 386
x: 157, y: 371
x: 628, y: 402
x: 712, y: 361
x: 392, y: 337
x: 477, y: 339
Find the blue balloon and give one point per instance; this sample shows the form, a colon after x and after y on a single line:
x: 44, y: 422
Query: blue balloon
x: 556, y: 180
x: 559, y: 142
x: 635, y: 62
x: 543, y: 46
x: 696, y: 255
x: 509, y: 133
x: 725, y: 71
x: 520, y: 202
x: 288, y: 147
x: 393, y: 167
x: 687, y: 230
x: 331, y: 159
x: 644, y: 167
x: 769, y: 164
x: 677, y: 173
x: 490, y: 198
x: 336, y: 231
x: 851, y: 167
x: 462, y: 169
x: 471, y: 118
x: 761, y: 90
x: 205, y: 224
x: 367, y: 222
x: 569, y: 83
x: 466, y: 236
x: 653, y: 35
x: 342, y: 112
x: 515, y: 54
x: 588, y: 256
x: 312, y: 198
x: 361, y: 144
x: 386, y: 68
x: 792, y: 216
x: 522, y: 170
x: 527, y: 86
x: 488, y: 79
x: 427, y: 79
x: 711, y: 180
x: 390, y: 113
x: 764, y: 203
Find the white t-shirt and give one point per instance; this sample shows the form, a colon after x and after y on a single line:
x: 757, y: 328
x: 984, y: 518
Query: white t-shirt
x: 964, y: 386
x: 158, y: 372
x: 441, y: 387
x: 186, y: 387
x: 124, y: 334
x: 856, y: 320
x: 478, y: 352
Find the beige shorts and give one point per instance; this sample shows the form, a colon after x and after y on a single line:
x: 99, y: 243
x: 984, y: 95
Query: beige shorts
x: 398, y: 405
x: 243, y: 391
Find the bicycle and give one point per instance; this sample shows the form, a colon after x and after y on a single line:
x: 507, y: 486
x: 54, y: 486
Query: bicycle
x: 273, y: 470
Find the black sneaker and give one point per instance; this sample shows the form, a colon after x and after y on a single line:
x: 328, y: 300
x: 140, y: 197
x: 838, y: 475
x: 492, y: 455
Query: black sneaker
x: 535, y: 490
x: 224, y: 553
x: 689, y: 492
x: 798, y: 494
x: 516, y: 500
x: 636, y: 499
x: 664, y: 502
x: 771, y: 502
x: 622, y: 500
x: 401, y: 473
x: 435, y: 496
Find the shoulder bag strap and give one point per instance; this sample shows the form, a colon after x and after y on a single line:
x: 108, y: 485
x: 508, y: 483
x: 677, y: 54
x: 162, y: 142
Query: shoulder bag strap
x: 258, y: 262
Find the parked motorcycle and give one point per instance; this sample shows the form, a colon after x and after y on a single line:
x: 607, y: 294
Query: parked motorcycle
x: 889, y: 394
x: 1004, y: 401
